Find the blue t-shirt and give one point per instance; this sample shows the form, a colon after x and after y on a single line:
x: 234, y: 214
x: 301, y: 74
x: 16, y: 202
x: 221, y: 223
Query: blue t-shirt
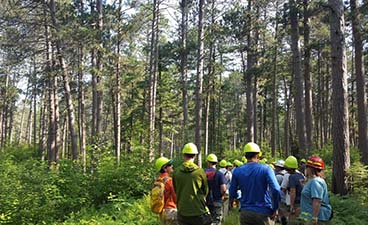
x: 296, y: 180
x: 315, y: 188
x: 215, y: 181
x: 259, y: 188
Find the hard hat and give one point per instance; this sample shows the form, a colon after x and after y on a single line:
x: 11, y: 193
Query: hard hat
x: 280, y: 163
x: 223, y: 163
x: 190, y: 148
x: 244, y: 159
x: 161, y: 162
x: 291, y: 162
x: 212, y: 158
x: 316, y: 162
x: 237, y: 163
x: 303, y: 160
x: 263, y: 161
x: 229, y: 164
x: 252, y: 147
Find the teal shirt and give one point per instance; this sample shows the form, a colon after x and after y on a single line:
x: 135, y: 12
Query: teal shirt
x: 191, y: 188
x: 315, y: 188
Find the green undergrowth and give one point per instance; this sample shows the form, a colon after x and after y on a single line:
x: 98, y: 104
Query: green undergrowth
x: 116, y: 211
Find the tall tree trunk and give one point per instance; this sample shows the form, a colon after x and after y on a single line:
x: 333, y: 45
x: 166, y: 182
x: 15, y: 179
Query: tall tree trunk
x: 249, y: 77
x: 117, y: 103
x: 287, y: 94
x: 340, y: 116
x: 183, y: 65
x: 360, y: 81
x: 68, y: 95
x: 297, y: 76
x: 199, y: 84
x: 43, y: 125
x: 307, y: 80
x: 81, y: 102
x: 153, y: 66
x: 275, y: 89
x: 29, y: 122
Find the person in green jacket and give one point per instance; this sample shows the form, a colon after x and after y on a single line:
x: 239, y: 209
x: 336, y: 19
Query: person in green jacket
x: 191, y: 188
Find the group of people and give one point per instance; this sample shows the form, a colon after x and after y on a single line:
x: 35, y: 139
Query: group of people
x: 284, y: 192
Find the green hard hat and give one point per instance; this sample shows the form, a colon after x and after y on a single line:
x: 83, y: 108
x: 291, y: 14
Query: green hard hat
x: 263, y: 161
x: 212, y: 158
x: 244, y: 159
x: 252, y: 147
x: 237, y: 162
x: 160, y: 162
x: 303, y: 160
x: 223, y: 163
x: 190, y: 148
x: 291, y: 162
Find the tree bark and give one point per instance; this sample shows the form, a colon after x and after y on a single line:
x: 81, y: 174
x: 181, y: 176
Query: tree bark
x: 307, y: 80
x: 340, y: 116
x: 65, y: 74
x: 199, y: 83
x: 153, y: 65
x: 249, y: 77
x: 298, y: 83
x: 360, y: 81
x: 183, y: 65
x: 274, y: 133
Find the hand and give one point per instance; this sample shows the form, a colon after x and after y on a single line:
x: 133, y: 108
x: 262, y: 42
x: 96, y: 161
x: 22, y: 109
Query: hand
x: 275, y: 215
x: 292, y: 210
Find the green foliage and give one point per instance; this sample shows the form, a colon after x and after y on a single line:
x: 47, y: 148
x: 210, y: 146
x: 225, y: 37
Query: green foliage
x: 348, y: 210
x: 117, y: 211
x: 126, y: 179
x: 359, y: 181
x: 31, y: 193
x: 232, y: 218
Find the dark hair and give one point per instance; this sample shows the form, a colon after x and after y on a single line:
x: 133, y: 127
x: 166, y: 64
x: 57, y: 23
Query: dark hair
x: 190, y: 155
x: 315, y: 171
x: 250, y: 155
x: 162, y: 170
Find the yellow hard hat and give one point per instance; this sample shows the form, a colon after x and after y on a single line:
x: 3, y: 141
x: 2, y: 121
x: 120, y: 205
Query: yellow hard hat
x: 212, y: 158
x: 190, y: 148
x: 160, y: 162
x: 252, y: 147
x: 223, y: 163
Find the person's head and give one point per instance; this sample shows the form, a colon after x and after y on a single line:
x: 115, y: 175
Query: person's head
x: 314, y: 166
x: 189, y: 151
x: 291, y: 164
x: 229, y: 166
x: 303, y: 161
x: 237, y: 163
x: 252, y: 152
x: 223, y: 163
x: 164, y: 165
x: 211, y: 160
x: 279, y: 165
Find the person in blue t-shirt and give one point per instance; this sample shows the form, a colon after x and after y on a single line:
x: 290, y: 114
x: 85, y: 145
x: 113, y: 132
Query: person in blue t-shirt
x: 217, y: 189
x: 315, y: 203
x: 260, y: 191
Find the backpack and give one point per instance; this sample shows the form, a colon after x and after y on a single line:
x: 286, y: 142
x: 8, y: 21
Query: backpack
x: 211, y: 183
x: 157, y: 196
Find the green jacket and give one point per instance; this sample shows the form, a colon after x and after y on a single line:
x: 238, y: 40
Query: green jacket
x: 191, y: 188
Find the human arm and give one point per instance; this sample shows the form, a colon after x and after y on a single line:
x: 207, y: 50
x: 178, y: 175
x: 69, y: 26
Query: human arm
x: 274, y: 188
x: 234, y: 186
x: 292, y: 199
x: 223, y: 189
x: 316, y: 203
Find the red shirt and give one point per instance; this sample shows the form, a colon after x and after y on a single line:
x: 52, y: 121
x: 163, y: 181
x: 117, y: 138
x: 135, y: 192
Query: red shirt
x: 170, y: 196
